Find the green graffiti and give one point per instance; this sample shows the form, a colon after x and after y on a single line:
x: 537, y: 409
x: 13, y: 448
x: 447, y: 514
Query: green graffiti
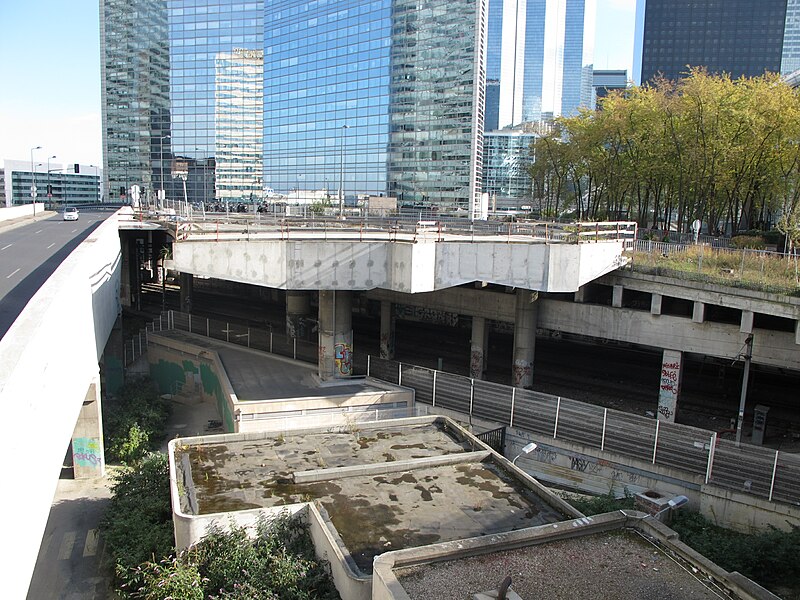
x: 213, y: 387
x: 166, y: 374
x: 189, y: 367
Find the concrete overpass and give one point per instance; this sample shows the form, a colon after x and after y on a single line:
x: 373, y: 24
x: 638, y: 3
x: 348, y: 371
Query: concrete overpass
x: 50, y: 388
x: 336, y: 258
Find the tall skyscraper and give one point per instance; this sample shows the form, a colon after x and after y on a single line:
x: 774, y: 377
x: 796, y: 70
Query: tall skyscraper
x: 357, y: 98
x: 738, y: 37
x: 539, y: 63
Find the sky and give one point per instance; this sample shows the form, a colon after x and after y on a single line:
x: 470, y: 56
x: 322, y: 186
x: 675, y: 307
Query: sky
x: 50, y: 75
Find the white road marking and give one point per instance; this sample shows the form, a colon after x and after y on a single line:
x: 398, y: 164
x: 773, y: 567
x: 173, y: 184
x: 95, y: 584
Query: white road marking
x: 14, y: 273
x: 35, y: 232
x: 50, y: 246
x: 67, y: 544
x: 6, y: 246
x: 90, y: 547
x: 74, y: 231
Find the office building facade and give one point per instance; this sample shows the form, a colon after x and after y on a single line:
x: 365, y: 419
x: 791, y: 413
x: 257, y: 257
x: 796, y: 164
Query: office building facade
x: 353, y: 98
x: 506, y: 159
x: 605, y: 81
x: 540, y: 56
x: 58, y: 186
x: 738, y: 37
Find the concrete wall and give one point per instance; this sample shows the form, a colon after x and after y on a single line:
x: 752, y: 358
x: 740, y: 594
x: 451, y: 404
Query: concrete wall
x: 181, y: 367
x: 573, y: 466
x: 23, y: 210
x: 48, y: 361
x: 774, y: 348
x: 427, y: 265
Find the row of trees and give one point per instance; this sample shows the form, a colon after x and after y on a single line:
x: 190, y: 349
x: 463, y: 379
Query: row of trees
x: 705, y: 147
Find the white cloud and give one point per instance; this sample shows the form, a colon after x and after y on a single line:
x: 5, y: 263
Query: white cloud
x: 71, y: 139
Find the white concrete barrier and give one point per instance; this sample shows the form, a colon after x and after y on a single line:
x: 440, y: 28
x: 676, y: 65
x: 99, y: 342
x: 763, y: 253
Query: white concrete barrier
x: 48, y: 361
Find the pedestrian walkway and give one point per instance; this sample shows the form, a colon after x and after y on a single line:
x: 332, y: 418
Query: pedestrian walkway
x: 72, y: 563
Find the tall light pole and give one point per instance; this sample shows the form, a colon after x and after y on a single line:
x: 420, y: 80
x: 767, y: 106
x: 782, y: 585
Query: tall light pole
x: 341, y: 171
x: 49, y: 193
x: 161, y: 162
x: 33, y: 175
x: 97, y: 174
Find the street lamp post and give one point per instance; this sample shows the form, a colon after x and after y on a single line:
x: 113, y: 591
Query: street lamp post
x: 341, y: 170
x: 33, y: 175
x: 161, y: 163
x: 49, y: 193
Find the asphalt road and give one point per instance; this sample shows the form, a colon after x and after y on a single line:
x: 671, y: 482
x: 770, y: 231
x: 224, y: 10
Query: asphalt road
x: 30, y: 253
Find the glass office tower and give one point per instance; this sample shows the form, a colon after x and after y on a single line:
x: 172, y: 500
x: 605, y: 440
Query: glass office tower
x: 135, y: 90
x: 540, y: 53
x: 738, y: 37
x: 356, y: 98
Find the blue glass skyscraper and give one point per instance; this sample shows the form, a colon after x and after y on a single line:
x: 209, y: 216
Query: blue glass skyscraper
x: 351, y: 97
x: 540, y: 55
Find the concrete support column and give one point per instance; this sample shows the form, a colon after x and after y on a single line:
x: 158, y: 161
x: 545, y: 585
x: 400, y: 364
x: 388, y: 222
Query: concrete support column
x: 616, y: 296
x: 335, y: 334
x: 580, y: 295
x: 655, y: 304
x: 187, y: 291
x: 698, y: 312
x: 746, y: 325
x: 526, y: 316
x: 88, y: 455
x: 797, y: 332
x: 128, y: 257
x: 297, y: 308
x: 387, y: 330
x: 477, y: 348
x: 670, y: 386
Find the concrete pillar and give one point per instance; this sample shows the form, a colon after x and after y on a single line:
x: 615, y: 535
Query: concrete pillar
x: 477, y: 348
x: 335, y: 334
x: 297, y: 307
x: 746, y: 325
x: 670, y: 386
x: 698, y: 312
x: 655, y: 304
x: 616, y: 297
x: 580, y: 295
x: 187, y: 291
x: 797, y: 332
x: 526, y: 316
x: 128, y: 258
x: 387, y: 330
x: 88, y: 455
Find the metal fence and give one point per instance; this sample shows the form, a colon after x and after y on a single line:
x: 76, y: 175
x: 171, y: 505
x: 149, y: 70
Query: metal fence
x: 755, y: 470
x: 750, y: 469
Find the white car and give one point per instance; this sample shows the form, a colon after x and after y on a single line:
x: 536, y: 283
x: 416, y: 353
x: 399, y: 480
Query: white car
x: 71, y: 213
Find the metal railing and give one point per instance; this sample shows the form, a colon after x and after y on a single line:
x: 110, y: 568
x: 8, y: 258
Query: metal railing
x: 248, y: 226
x: 754, y: 470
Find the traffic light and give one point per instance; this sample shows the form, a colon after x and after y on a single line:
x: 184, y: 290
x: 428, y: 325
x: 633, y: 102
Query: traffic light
x: 122, y: 190
x: 49, y: 190
x: 77, y: 168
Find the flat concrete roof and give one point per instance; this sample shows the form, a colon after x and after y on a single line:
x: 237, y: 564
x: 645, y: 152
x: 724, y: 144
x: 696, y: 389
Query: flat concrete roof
x: 612, y: 564
x: 375, y: 500
x: 257, y: 375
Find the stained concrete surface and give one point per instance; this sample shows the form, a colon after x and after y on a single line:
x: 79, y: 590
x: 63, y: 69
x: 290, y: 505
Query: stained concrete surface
x: 372, y: 513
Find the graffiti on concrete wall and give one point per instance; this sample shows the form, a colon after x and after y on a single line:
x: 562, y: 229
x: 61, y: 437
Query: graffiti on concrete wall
x: 343, y: 355
x: 670, y: 385
x: 425, y: 315
x: 522, y: 373
x: 86, y: 452
x: 476, y: 363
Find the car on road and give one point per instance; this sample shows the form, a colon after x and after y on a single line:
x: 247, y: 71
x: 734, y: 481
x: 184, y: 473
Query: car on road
x: 71, y: 213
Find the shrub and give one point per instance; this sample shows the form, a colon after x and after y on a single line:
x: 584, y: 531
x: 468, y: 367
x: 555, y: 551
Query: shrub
x: 137, y: 525
x: 134, y: 421
x: 752, y: 242
x: 278, y: 562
